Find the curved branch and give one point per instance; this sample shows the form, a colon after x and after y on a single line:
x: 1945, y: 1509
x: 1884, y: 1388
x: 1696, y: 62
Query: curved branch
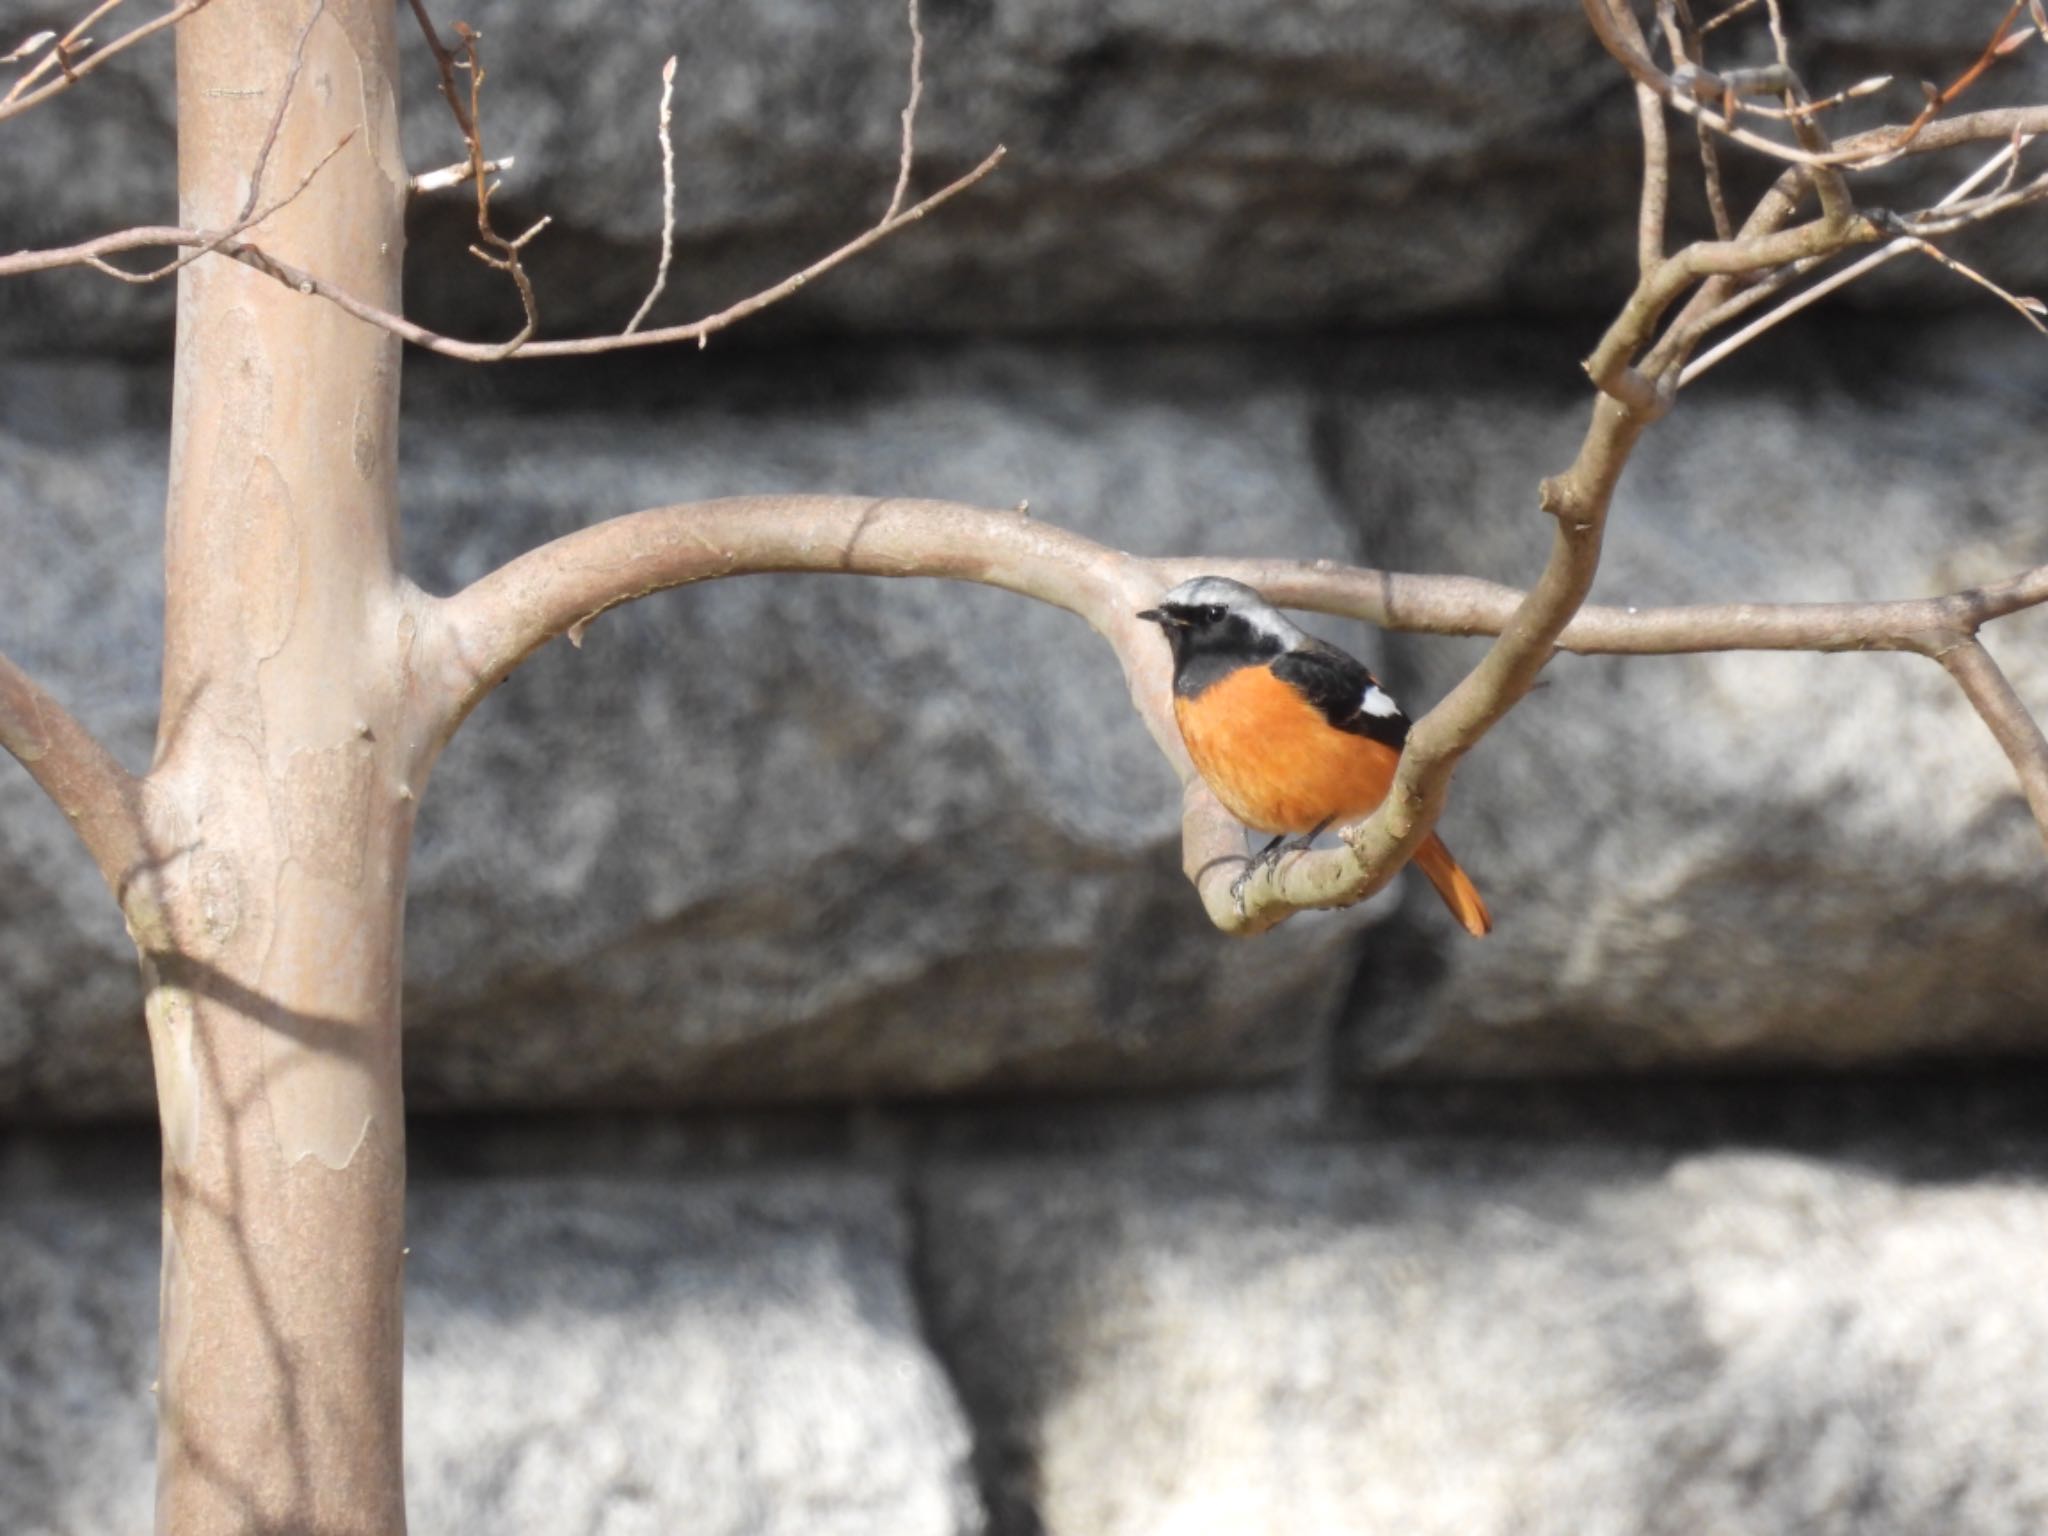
x: 1992, y: 696
x: 100, y: 798
x: 477, y: 637
x: 474, y: 640
x: 496, y: 622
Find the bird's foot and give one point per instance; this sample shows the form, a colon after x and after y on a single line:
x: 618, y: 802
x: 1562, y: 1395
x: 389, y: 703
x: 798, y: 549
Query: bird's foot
x: 1271, y: 855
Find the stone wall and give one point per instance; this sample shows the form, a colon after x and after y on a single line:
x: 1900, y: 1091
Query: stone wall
x: 834, y: 1113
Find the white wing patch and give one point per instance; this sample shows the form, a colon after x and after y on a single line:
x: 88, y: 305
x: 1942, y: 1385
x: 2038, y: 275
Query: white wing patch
x: 1378, y: 701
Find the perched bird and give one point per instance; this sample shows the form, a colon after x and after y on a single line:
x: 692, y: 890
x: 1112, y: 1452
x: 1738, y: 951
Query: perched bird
x: 1289, y: 731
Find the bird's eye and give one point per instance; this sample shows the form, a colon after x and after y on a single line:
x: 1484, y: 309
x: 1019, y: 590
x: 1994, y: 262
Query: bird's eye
x: 1213, y: 614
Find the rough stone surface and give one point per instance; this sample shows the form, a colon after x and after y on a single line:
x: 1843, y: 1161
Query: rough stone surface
x: 1530, y: 1339
x: 813, y: 838
x: 1171, y: 162
x: 78, y: 1310
x: 741, y: 1359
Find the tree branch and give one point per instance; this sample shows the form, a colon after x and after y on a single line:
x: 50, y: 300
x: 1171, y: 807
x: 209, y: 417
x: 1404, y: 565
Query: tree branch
x: 1653, y: 204
x: 1467, y: 605
x: 1863, y: 151
x: 1992, y: 696
x: 475, y: 639
x: 101, y: 799
x: 20, y: 98
x: 1377, y: 847
x: 93, y: 253
x: 495, y: 623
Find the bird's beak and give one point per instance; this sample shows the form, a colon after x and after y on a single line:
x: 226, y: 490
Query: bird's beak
x: 1160, y: 617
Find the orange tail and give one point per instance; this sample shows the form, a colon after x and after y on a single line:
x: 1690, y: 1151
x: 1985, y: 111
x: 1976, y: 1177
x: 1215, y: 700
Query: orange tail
x: 1456, y: 888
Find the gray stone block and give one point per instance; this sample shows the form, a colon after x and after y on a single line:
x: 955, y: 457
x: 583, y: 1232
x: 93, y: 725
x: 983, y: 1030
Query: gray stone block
x: 78, y: 1311
x: 1530, y: 1339
x: 740, y: 1358
x: 1171, y: 163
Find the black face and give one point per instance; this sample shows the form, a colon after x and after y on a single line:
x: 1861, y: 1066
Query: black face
x: 1209, y: 641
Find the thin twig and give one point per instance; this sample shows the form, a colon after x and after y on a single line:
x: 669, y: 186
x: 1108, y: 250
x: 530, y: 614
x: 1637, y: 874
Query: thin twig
x: 444, y: 69
x: 252, y: 255
x: 1653, y: 203
x: 668, y: 198
x: 93, y: 253
x: 2030, y: 309
x: 1969, y: 77
x: 1842, y: 97
x: 1976, y: 210
x: 908, y: 152
x: 284, y: 101
x: 1864, y: 151
x: 1870, y: 263
x: 1685, y: 42
x: 1739, y: 8
x: 62, y: 51
x: 495, y: 251
x: 14, y: 104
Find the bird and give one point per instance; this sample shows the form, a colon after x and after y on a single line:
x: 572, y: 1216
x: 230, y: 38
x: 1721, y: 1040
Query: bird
x: 1291, y: 732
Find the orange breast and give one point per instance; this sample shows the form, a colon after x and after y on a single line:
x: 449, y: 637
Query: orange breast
x: 1274, y: 761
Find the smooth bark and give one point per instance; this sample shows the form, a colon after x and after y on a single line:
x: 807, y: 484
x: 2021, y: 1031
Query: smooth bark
x: 269, y: 903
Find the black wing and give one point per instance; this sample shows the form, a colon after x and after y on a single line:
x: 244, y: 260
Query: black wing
x: 1349, y: 696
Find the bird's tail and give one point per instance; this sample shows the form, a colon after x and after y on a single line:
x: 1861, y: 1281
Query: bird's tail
x: 1455, y: 886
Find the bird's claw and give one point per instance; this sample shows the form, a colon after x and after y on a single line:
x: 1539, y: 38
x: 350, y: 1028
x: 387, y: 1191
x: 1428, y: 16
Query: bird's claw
x: 1269, y: 857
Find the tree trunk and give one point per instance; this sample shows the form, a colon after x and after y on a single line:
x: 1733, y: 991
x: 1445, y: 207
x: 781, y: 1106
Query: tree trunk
x: 270, y: 912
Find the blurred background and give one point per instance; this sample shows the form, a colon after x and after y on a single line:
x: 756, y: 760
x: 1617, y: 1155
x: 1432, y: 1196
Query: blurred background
x: 833, y: 1113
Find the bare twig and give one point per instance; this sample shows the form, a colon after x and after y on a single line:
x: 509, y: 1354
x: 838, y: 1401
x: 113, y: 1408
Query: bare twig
x: 1939, y: 99
x: 1864, y: 151
x: 668, y: 198
x: 21, y: 97
x: 252, y: 255
x: 94, y: 253
x: 1739, y: 8
x: 1684, y: 40
x: 494, y: 250
x: 2004, y: 159
x: 1653, y: 204
x: 284, y: 101
x: 908, y: 152
x: 2030, y: 309
x: 504, y: 255
x: 1842, y: 97
x: 1608, y: 367
x: 25, y: 93
x: 444, y: 69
